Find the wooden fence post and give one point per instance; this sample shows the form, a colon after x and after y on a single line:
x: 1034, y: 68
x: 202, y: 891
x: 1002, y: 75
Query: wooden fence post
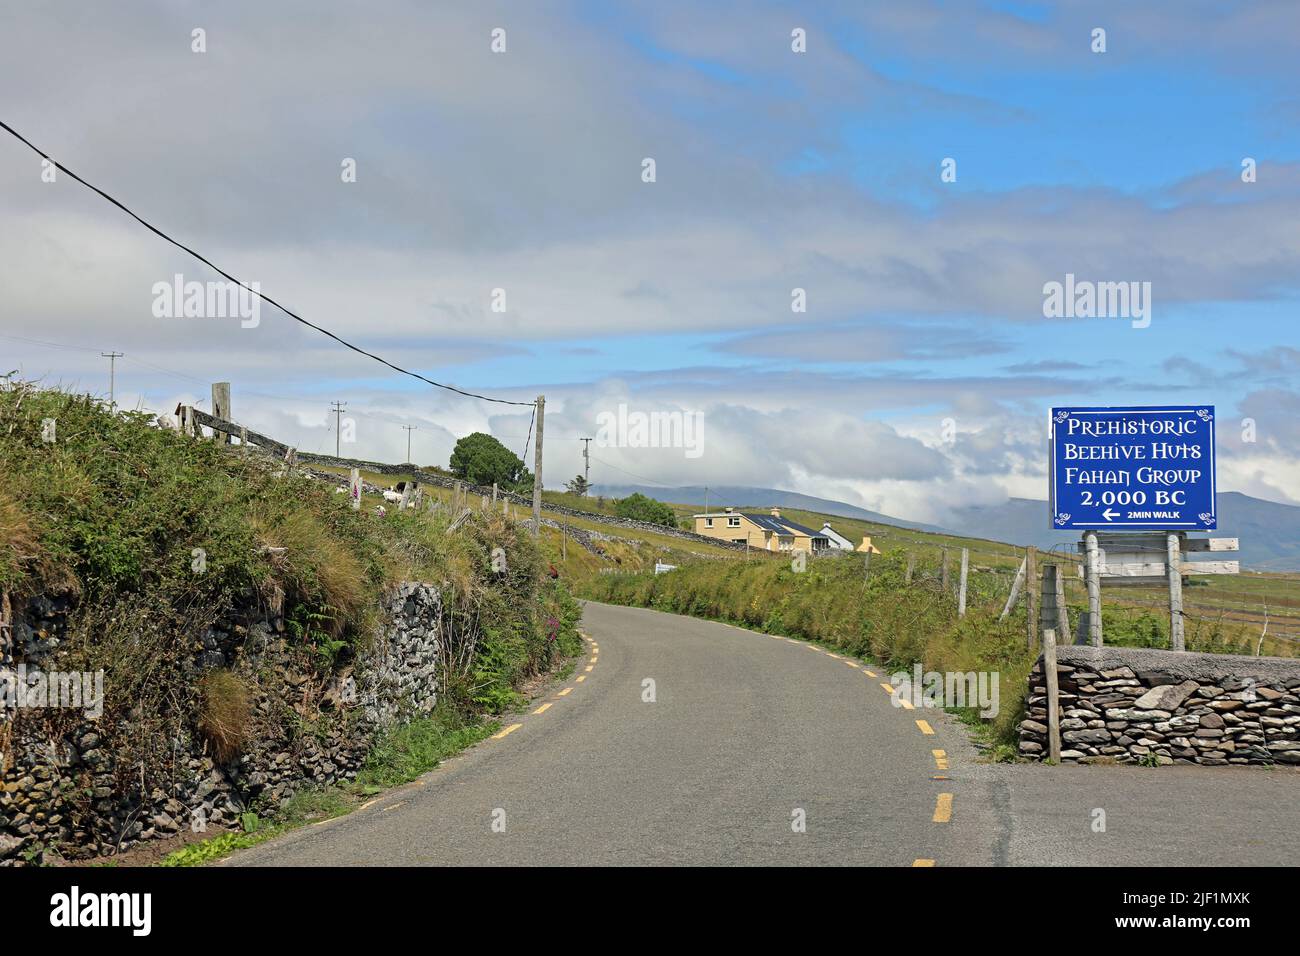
x: 221, y: 408
x: 1053, y: 696
x: 961, y: 589
x: 1016, y: 582
x: 943, y: 574
x: 1031, y: 595
x: 1175, y: 561
x: 1094, y: 589
x: 911, y: 567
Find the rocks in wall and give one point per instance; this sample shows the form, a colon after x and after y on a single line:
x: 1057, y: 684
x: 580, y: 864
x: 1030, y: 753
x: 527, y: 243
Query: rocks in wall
x: 61, y: 783
x: 1137, y: 705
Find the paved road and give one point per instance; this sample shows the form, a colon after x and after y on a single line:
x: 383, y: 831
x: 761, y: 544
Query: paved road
x: 747, y: 734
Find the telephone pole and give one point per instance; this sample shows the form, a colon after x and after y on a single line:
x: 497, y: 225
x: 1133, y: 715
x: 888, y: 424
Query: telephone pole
x: 586, y: 465
x: 537, y: 468
x: 409, y: 429
x: 112, y: 370
x: 338, y: 414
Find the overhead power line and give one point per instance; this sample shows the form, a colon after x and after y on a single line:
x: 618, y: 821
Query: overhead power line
x: 265, y: 298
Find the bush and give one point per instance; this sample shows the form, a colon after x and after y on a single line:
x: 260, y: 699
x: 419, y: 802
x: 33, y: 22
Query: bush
x: 641, y: 508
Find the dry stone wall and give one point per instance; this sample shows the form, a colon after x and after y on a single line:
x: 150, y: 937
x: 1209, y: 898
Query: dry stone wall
x: 67, y: 788
x: 1139, y: 705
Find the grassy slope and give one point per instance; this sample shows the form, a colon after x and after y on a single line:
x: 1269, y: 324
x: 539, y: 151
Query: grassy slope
x: 159, y: 535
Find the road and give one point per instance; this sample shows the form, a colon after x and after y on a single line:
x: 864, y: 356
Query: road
x: 761, y: 750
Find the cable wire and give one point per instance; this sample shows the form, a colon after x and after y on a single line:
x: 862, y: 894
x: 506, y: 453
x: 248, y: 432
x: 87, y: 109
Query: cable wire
x: 266, y: 298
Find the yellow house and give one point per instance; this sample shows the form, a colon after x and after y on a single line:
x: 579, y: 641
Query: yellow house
x: 769, y: 532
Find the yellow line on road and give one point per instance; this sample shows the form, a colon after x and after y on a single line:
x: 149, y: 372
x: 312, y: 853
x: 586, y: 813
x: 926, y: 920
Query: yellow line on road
x: 565, y: 692
x: 925, y: 727
x: 940, y: 760
x: 594, y: 659
x: 923, y: 862
x: 393, y: 806
x: 870, y: 673
x: 905, y: 703
x: 590, y: 668
x: 888, y: 689
x: 943, y: 808
x: 851, y: 664
x: 543, y: 709
x: 509, y: 730
x: 580, y: 678
x: 836, y: 656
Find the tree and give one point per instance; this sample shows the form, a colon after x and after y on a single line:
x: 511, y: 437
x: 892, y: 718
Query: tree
x: 641, y: 508
x: 578, y: 486
x: 481, y: 460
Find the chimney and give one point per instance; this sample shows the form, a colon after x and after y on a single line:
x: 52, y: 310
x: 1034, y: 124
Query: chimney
x: 728, y: 510
x: 776, y: 512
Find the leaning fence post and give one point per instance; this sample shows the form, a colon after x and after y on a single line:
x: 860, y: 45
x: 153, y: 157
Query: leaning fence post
x: 911, y: 567
x: 1015, y: 589
x: 1053, y: 695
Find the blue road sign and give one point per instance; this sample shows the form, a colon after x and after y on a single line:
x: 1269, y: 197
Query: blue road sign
x: 1138, y: 468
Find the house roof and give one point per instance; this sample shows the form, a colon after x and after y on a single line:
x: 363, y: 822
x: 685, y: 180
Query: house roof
x: 768, y: 523
x: 782, y: 526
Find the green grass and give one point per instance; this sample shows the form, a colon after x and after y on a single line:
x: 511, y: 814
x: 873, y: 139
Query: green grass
x: 418, y: 747
x: 158, y: 536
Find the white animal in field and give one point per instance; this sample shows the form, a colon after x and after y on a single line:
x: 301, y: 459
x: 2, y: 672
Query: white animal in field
x: 394, y: 494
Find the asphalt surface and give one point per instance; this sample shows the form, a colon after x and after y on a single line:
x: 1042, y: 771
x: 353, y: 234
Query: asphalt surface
x: 749, y: 736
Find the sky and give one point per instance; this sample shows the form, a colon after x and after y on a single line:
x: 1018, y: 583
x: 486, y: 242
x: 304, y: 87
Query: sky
x: 917, y: 379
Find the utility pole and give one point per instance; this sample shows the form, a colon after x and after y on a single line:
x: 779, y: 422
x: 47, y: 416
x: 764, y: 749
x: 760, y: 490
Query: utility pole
x: 338, y: 415
x: 537, y: 468
x: 409, y: 429
x: 112, y: 375
x: 586, y: 465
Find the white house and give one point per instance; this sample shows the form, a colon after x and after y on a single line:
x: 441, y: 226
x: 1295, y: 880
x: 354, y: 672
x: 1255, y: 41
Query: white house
x: 837, y: 540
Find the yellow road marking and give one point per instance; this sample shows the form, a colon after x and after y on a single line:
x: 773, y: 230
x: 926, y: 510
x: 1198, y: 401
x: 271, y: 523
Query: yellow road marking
x: 564, y: 692
x: 836, y: 656
x: 509, y: 730
x: 393, y: 806
x: 594, y: 659
x: 940, y: 760
x: 870, y: 673
x: 580, y: 678
x: 368, y: 803
x: 943, y: 808
x: 925, y: 727
x: 810, y: 647
x: 543, y: 709
x: 923, y: 862
x: 590, y: 668
x: 905, y: 703
x: 851, y: 664
x: 887, y: 688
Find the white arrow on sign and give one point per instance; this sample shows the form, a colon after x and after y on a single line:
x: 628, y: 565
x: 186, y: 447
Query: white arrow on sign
x: 1110, y: 515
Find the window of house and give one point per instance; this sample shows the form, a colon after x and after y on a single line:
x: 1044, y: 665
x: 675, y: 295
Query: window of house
x: 733, y: 522
x: 708, y: 522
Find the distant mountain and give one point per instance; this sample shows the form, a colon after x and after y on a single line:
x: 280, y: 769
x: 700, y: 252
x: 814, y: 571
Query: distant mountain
x: 1269, y: 532
x: 737, y: 496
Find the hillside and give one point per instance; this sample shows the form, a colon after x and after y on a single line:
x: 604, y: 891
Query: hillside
x: 1269, y: 532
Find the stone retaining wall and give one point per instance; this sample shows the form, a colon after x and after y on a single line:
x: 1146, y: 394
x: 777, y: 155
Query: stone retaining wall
x: 1139, y: 705
x: 64, y: 786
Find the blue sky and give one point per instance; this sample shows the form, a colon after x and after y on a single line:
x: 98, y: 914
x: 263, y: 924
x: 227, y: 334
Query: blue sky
x: 775, y: 170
